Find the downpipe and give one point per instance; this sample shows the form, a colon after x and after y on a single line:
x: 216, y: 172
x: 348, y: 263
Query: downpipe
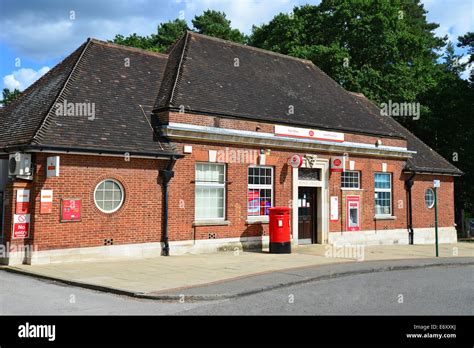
x: 166, y: 175
x: 408, y: 186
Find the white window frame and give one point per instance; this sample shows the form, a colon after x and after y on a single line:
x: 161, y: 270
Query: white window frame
x: 122, y: 196
x: 210, y: 185
x: 426, y: 203
x: 260, y: 187
x: 358, y: 180
x: 376, y: 190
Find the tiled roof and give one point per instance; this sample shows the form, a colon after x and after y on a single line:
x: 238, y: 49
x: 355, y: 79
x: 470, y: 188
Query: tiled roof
x: 200, y: 74
x: 220, y: 77
x: 426, y: 159
x: 119, y: 83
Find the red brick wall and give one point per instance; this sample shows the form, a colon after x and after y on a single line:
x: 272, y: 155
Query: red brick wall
x: 137, y: 221
x: 140, y: 218
x: 424, y: 216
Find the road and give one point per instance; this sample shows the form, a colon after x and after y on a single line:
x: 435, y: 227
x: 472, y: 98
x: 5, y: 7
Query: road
x: 444, y: 290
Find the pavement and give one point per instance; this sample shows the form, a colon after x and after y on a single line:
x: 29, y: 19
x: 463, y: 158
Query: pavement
x: 236, y: 273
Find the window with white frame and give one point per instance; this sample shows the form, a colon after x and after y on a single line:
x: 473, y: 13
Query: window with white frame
x: 108, y: 196
x: 383, y: 194
x: 350, y: 179
x: 260, y: 191
x: 210, y: 191
x: 429, y: 198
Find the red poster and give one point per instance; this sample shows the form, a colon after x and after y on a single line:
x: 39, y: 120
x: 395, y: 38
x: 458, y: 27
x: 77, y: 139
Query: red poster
x: 353, y: 213
x: 70, y: 210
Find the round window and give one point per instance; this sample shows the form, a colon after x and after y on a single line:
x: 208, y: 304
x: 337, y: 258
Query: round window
x: 108, y: 196
x: 429, y: 198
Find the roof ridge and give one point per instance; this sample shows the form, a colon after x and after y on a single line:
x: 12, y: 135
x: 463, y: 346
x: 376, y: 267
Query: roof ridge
x: 58, y: 96
x: 126, y: 48
x: 179, y: 67
x: 250, y: 47
x: 30, y: 87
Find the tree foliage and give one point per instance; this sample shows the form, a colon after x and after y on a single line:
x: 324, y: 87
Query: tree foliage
x: 9, y: 96
x: 212, y: 23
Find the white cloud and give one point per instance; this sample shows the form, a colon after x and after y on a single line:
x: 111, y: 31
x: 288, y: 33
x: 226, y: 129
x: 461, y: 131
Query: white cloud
x: 243, y: 13
x: 455, y: 17
x: 22, y: 78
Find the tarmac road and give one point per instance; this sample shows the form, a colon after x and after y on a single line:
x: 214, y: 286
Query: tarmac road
x: 441, y: 290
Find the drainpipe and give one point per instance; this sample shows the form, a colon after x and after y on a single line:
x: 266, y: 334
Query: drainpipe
x: 166, y: 175
x: 408, y: 186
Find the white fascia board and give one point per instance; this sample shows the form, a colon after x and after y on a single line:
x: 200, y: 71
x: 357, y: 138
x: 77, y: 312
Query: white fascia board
x: 191, y: 128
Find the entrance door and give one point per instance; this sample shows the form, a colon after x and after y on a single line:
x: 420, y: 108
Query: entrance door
x: 306, y: 215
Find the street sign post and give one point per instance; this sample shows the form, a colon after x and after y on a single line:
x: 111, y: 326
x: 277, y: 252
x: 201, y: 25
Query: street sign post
x: 436, y: 184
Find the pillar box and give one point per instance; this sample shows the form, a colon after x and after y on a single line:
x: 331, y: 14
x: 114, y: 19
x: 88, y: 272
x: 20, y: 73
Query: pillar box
x: 280, y: 230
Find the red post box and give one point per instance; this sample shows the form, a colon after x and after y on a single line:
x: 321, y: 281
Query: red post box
x: 280, y: 239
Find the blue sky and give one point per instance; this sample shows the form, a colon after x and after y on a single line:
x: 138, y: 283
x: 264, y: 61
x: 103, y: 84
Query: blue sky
x: 36, y: 34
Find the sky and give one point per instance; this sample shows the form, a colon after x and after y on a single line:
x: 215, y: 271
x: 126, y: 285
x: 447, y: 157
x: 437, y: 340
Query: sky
x: 35, y: 35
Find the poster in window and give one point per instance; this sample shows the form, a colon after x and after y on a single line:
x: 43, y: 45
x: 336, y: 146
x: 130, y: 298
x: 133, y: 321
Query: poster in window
x: 253, y: 203
x: 70, y: 210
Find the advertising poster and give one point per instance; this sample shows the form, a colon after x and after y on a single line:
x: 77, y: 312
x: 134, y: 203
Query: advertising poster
x: 253, y: 203
x: 70, y: 210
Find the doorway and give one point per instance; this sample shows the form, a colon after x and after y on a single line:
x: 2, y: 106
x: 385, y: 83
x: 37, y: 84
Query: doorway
x: 307, y: 215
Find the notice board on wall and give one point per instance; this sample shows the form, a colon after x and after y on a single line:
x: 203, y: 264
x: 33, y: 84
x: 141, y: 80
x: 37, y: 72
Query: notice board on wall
x: 71, y: 210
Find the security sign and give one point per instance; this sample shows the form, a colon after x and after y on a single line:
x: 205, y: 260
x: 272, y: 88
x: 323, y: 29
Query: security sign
x: 21, y: 226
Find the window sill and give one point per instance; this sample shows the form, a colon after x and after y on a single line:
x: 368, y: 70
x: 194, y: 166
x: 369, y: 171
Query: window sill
x: 255, y: 221
x: 385, y: 217
x: 211, y: 223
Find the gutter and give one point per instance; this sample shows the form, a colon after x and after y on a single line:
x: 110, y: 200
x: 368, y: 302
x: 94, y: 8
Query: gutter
x: 90, y: 151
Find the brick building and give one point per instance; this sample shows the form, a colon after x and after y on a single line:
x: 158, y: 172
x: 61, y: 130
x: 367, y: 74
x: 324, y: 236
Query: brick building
x: 129, y: 153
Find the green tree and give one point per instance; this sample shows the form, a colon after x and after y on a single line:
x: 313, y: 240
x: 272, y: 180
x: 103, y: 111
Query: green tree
x: 448, y: 125
x: 384, y: 49
x: 169, y: 32
x: 134, y: 40
x: 9, y: 96
x: 215, y: 23
x: 467, y: 40
x: 212, y: 23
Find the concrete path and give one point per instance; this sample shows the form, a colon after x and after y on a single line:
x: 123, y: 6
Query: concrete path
x: 175, y: 275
